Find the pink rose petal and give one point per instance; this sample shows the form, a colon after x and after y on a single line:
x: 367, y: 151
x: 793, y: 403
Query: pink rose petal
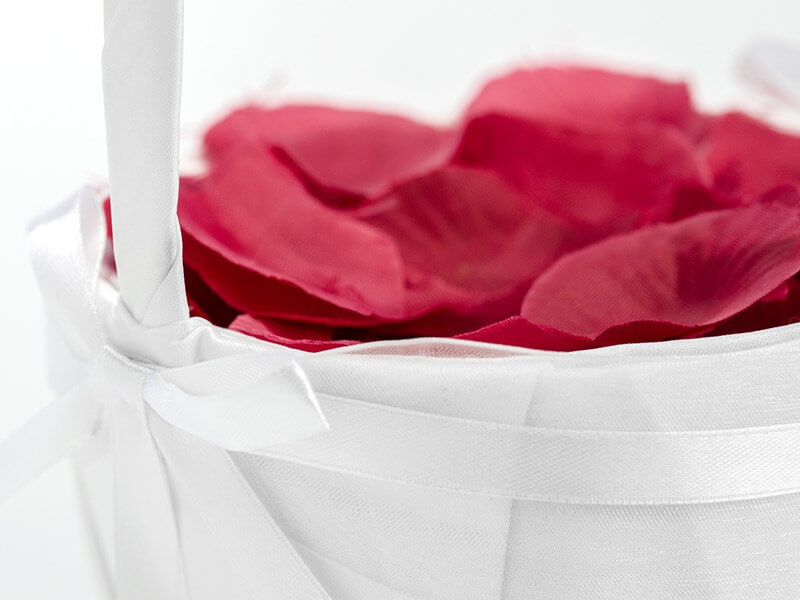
x: 694, y: 272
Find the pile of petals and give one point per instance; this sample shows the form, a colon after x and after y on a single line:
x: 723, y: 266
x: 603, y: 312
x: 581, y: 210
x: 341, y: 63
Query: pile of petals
x: 567, y: 208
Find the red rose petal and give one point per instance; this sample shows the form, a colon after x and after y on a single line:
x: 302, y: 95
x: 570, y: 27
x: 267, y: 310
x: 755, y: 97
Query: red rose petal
x: 749, y: 157
x: 694, y: 272
x: 343, y: 155
x: 248, y: 289
x: 468, y: 241
x: 780, y: 307
x: 204, y: 302
x: 693, y: 199
x: 780, y: 293
x: 635, y: 332
x: 608, y: 181
x: 586, y: 97
x: 285, y: 334
x: 518, y: 331
x: 251, y: 211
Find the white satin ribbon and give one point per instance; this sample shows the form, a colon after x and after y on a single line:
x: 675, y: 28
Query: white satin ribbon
x: 549, y: 464
x: 193, y: 377
x: 142, y: 63
x: 240, y: 397
x: 60, y: 429
x: 179, y: 397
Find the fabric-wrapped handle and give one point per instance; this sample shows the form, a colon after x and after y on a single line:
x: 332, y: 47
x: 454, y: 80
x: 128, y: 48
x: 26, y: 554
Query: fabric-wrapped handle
x: 142, y: 63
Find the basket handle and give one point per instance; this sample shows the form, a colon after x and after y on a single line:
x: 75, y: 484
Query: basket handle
x: 142, y: 63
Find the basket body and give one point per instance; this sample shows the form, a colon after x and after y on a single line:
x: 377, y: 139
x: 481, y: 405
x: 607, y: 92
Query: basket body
x: 451, y: 470
x: 241, y: 516
x: 219, y: 466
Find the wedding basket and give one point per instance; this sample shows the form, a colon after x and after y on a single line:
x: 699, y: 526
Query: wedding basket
x: 219, y: 466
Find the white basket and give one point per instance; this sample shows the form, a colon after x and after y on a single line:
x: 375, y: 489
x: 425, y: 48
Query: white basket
x: 221, y: 466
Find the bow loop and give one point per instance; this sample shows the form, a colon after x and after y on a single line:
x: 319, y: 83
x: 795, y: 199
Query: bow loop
x: 216, y: 385
x: 240, y: 419
x: 221, y: 387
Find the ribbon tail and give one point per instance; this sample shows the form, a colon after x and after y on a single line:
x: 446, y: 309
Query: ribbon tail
x: 279, y: 407
x: 147, y: 546
x: 57, y: 431
x: 208, y: 477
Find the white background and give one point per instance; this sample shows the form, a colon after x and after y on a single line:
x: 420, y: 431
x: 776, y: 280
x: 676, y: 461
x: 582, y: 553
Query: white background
x: 422, y: 56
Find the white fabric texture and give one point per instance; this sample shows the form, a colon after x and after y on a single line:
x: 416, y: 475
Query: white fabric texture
x: 119, y: 395
x: 220, y: 466
x: 142, y: 61
x: 429, y: 469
